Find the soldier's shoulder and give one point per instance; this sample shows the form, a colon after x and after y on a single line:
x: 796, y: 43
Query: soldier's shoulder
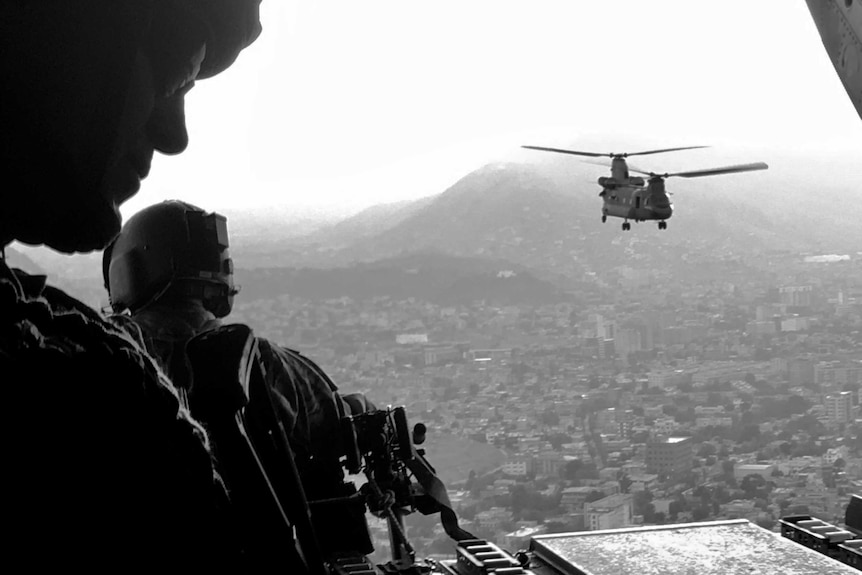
x: 35, y: 313
x: 295, y: 360
x: 50, y: 334
x: 111, y: 419
x: 294, y: 356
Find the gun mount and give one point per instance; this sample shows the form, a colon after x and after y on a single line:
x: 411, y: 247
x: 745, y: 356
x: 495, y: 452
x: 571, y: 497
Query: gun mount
x: 399, y: 480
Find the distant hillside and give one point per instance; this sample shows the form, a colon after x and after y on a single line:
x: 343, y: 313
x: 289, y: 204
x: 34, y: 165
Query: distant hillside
x: 434, y: 277
x: 368, y: 222
x: 500, y: 212
x: 488, y: 213
x: 545, y: 216
x: 266, y: 236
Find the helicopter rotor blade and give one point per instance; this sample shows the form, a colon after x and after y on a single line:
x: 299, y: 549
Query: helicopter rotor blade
x: 719, y: 171
x: 562, y: 151
x: 640, y: 171
x: 610, y: 154
x: 648, y: 152
x: 605, y: 163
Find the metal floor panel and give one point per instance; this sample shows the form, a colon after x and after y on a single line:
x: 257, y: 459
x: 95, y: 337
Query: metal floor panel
x: 735, y: 547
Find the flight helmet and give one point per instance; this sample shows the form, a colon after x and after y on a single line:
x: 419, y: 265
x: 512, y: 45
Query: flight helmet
x: 172, y: 249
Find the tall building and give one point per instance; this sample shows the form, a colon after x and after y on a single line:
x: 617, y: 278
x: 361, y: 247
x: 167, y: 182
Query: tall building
x: 669, y: 455
x: 627, y: 340
x: 612, y: 512
x: 626, y: 427
x: 518, y: 466
x: 606, y: 349
x: 796, y: 296
x: 834, y: 374
x: 548, y: 463
x: 604, y: 328
x: 654, y: 322
x: 840, y: 407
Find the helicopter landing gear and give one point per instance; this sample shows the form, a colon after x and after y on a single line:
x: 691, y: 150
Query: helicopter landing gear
x: 626, y: 226
x: 662, y: 225
x: 604, y: 218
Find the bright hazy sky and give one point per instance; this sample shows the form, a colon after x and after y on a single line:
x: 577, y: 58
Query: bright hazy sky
x: 342, y: 104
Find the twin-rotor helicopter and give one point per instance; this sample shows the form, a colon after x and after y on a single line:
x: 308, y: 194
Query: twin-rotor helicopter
x: 630, y: 197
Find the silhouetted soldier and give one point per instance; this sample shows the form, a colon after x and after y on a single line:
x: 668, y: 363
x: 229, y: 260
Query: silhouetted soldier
x: 170, y: 270
x: 102, y: 467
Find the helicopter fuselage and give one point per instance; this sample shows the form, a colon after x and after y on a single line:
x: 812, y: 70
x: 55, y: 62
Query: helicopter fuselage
x: 630, y: 199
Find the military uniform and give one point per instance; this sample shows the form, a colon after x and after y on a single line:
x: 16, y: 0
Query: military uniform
x: 102, y: 467
x: 307, y: 401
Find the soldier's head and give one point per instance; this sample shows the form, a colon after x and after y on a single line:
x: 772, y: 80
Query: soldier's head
x: 89, y: 91
x: 170, y: 253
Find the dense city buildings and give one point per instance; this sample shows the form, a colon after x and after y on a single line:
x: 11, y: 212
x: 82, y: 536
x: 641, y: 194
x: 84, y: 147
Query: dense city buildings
x: 728, y: 393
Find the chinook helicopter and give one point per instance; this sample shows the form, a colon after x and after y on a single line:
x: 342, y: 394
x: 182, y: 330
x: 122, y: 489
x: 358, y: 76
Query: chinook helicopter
x: 632, y: 198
